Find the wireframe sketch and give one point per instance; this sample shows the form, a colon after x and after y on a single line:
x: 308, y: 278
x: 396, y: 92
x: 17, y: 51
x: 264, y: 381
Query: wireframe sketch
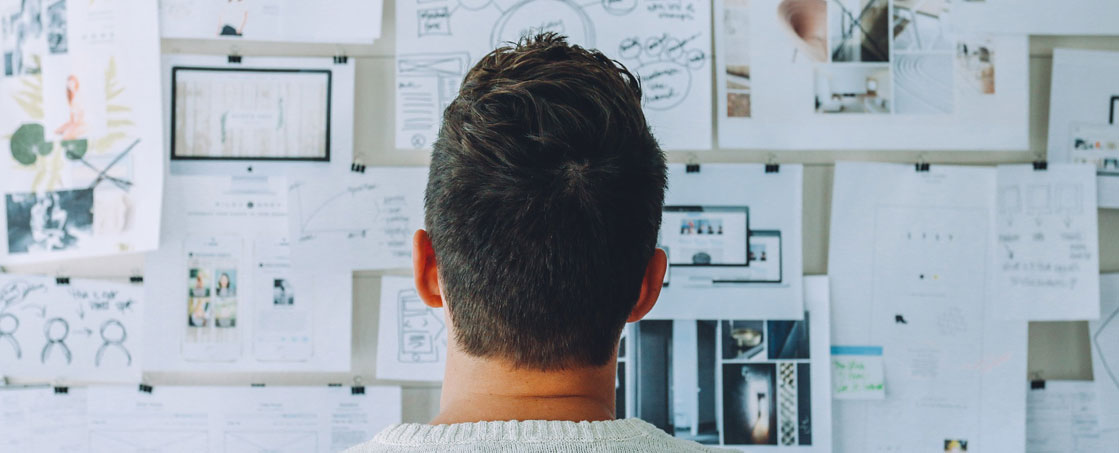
x: 278, y: 441
x: 422, y: 333
x: 50, y: 221
x: 667, y: 44
x: 426, y: 84
x: 137, y: 440
x: 56, y: 331
x: 1106, y: 340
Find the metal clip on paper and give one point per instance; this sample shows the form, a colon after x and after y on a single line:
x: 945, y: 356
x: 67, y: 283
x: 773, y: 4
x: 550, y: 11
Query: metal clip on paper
x: 357, y: 389
x: 692, y: 166
x: 771, y: 165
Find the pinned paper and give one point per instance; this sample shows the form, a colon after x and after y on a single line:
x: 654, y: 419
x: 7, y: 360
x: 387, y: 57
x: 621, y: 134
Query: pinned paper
x: 858, y: 373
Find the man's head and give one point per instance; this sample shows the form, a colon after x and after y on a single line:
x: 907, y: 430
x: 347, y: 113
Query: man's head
x: 543, y: 206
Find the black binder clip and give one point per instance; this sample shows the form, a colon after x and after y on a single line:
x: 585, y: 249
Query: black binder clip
x: 233, y: 58
x: 772, y: 168
x: 145, y: 388
x: 341, y: 59
x: 137, y: 279
x: 1041, y: 165
x: 922, y: 167
x: 357, y: 390
x: 61, y: 390
x: 357, y: 167
x: 691, y: 168
x: 1037, y: 384
x: 62, y: 280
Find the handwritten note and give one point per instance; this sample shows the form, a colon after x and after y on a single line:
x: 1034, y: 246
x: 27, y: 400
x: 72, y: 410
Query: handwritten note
x: 857, y: 373
x: 1047, y: 264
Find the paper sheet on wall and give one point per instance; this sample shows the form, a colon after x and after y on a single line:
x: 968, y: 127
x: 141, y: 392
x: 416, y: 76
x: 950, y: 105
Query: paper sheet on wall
x: 233, y: 298
x: 121, y: 418
x: 41, y: 419
x: 412, y: 337
x: 1047, y: 243
x: 910, y: 258
x: 846, y: 74
x: 359, y: 220
x: 81, y: 172
x: 273, y: 116
x: 1104, y: 340
x: 752, y: 384
x: 732, y: 233
x: 343, y: 22
x: 665, y: 44
x: 86, y: 330
x: 1039, y: 17
x: 307, y: 419
x: 1063, y: 417
x: 1084, y: 115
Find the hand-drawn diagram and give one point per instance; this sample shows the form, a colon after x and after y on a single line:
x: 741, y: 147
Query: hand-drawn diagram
x: 73, y: 327
x: 370, y: 216
x: 56, y: 331
x: 670, y: 53
x: 422, y: 333
x: 113, y: 335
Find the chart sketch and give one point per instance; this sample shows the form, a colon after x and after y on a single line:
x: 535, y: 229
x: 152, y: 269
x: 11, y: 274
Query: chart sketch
x: 364, y: 221
x: 665, y: 43
x: 422, y: 333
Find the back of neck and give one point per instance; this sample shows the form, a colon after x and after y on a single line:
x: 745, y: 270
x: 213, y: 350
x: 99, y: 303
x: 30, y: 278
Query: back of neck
x: 479, y: 389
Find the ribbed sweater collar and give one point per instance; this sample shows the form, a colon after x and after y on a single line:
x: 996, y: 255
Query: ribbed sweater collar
x: 515, y: 431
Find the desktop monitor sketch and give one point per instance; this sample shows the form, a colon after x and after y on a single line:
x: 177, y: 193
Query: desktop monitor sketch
x: 254, y: 114
x: 706, y: 236
x: 765, y: 258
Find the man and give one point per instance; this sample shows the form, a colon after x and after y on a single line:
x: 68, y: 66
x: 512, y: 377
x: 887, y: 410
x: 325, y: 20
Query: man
x: 543, y: 207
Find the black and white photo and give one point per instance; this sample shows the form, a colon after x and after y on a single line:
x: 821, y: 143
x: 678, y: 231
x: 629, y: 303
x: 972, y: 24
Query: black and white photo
x: 48, y: 221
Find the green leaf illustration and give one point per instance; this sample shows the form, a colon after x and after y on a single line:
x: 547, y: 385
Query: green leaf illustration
x: 27, y: 142
x: 75, y: 149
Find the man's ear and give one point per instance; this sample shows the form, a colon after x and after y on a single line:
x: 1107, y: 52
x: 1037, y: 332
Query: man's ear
x: 650, y: 286
x: 425, y: 270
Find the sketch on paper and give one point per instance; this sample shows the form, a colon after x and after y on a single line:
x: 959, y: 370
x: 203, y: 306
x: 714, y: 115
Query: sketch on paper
x: 78, y: 330
x: 371, y: 216
x: 412, y: 337
x: 670, y: 55
x: 1047, y: 241
x: 422, y: 333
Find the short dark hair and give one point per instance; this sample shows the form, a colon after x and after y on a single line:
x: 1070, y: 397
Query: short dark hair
x: 544, y: 203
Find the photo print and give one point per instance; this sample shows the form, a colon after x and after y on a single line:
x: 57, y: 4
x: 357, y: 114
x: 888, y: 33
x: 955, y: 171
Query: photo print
x: 975, y: 66
x: 722, y: 382
x: 211, y: 332
x: 22, y: 39
x: 282, y: 292
x: 233, y: 18
x: 736, y: 20
x: 955, y: 446
x: 853, y: 88
x: 225, y: 292
x: 922, y: 25
x: 923, y: 83
x: 48, y: 221
x: 858, y: 30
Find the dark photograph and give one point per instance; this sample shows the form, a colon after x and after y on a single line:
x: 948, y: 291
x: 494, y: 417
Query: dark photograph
x: 749, y: 406
x: 49, y: 221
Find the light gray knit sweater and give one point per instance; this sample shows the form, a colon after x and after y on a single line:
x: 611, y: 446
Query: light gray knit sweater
x: 621, y: 436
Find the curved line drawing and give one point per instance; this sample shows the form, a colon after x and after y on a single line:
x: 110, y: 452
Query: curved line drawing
x: 9, y: 334
x: 59, y: 342
x: 499, y: 29
x: 117, y: 342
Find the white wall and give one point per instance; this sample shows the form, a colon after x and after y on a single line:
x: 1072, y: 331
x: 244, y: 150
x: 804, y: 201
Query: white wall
x: 1057, y: 350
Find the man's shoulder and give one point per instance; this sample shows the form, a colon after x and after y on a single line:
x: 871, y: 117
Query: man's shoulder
x: 629, y: 435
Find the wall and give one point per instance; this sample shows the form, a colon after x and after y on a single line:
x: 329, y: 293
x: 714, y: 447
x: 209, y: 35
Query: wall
x: 1056, y: 350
